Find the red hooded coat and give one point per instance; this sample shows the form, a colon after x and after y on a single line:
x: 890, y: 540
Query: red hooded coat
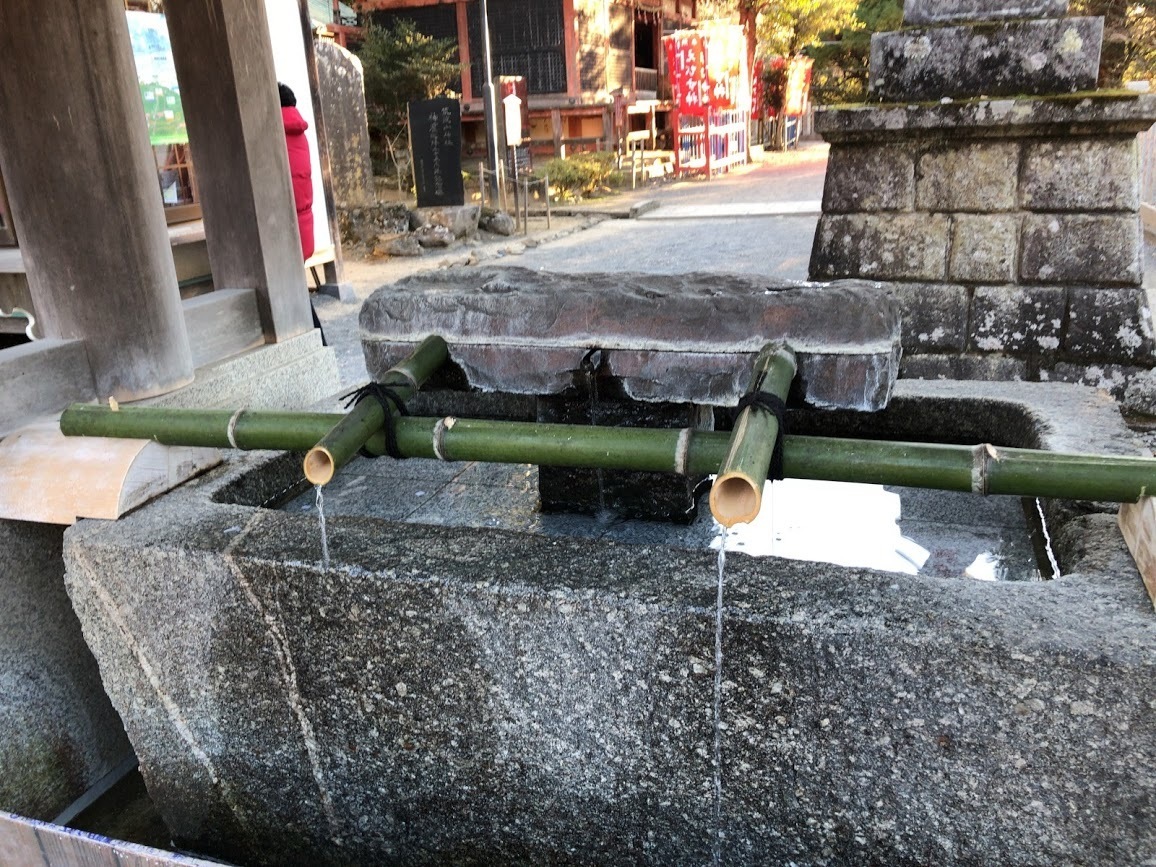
x: 301, y: 172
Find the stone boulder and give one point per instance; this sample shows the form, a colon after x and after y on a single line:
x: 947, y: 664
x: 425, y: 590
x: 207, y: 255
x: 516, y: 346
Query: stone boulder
x: 462, y: 220
x: 499, y: 223
x: 402, y: 245
x: 434, y: 236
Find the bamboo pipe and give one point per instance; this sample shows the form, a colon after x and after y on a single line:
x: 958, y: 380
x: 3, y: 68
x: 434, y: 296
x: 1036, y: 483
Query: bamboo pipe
x: 737, y: 493
x: 343, y: 441
x: 981, y: 469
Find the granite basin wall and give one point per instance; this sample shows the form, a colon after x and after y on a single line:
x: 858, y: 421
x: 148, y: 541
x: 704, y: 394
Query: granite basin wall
x: 59, y: 734
x: 439, y: 695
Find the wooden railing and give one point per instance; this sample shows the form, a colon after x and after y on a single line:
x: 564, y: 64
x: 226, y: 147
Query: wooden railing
x: 646, y: 81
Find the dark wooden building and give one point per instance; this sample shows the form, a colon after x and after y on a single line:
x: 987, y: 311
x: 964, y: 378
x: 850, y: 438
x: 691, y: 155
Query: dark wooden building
x: 594, y: 69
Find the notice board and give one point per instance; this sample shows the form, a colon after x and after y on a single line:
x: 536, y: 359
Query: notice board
x: 435, y: 133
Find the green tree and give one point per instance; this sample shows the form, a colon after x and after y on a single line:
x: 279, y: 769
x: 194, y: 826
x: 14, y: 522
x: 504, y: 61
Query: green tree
x: 786, y: 27
x: 842, y: 60
x: 1129, y: 51
x: 402, y: 64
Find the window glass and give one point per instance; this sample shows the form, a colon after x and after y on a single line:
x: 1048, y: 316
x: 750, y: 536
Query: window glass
x: 161, y: 97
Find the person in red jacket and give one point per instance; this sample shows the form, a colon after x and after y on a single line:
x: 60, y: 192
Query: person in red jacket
x: 301, y: 174
x: 300, y: 168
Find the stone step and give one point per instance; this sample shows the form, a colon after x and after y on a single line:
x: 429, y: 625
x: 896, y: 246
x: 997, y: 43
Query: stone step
x: 954, y: 11
x: 688, y: 338
x: 1008, y: 59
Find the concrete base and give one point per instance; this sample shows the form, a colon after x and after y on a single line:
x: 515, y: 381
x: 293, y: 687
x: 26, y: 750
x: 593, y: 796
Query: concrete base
x: 58, y: 731
x: 42, y: 377
x: 445, y: 695
x: 293, y: 374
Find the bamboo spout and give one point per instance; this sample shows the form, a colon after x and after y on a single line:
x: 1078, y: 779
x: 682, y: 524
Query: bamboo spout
x: 737, y: 493
x: 981, y: 469
x: 368, y: 415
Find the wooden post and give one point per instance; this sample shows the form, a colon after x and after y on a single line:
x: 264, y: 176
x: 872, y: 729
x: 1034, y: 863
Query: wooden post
x: 570, y: 49
x: 1138, y: 526
x: 82, y: 183
x: 463, y: 22
x: 224, y: 64
x: 556, y: 130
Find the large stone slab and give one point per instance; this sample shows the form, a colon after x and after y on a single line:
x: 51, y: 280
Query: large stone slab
x: 1009, y: 59
x: 1090, y: 249
x: 1083, y: 174
x: 689, y: 338
x: 881, y: 246
x: 951, y: 11
x: 341, y: 80
x: 440, y: 695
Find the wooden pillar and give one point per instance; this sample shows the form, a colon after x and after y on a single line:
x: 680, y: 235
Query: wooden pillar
x: 224, y: 64
x: 463, y: 23
x: 570, y: 47
x: 556, y: 130
x: 82, y: 183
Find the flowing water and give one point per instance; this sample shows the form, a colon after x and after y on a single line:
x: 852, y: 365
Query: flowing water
x: 590, y: 366
x: 716, y: 848
x: 321, y: 523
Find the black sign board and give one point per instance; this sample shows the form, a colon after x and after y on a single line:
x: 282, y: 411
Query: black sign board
x: 435, y: 132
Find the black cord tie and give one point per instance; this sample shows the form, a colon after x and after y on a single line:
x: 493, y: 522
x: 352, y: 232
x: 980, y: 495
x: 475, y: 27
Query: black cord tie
x: 777, y: 407
x: 390, y: 400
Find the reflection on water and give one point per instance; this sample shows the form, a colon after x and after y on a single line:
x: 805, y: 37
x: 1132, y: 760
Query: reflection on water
x: 906, y: 530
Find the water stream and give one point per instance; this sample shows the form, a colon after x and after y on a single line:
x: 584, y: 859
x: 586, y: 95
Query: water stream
x: 321, y: 523
x: 716, y: 847
x: 590, y: 366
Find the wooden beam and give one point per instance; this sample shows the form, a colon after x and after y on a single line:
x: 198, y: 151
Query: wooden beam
x: 393, y: 5
x: 28, y: 843
x: 1138, y: 526
x: 54, y: 479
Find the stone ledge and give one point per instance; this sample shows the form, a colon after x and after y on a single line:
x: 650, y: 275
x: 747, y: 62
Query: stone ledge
x: 954, y: 11
x: 1099, y: 113
x: 688, y: 338
x: 42, y: 378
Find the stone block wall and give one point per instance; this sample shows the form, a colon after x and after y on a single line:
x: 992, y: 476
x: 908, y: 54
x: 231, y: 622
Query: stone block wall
x: 1009, y: 234
x: 1007, y: 228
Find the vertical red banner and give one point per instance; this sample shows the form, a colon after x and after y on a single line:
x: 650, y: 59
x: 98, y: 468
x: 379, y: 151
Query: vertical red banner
x: 686, y: 61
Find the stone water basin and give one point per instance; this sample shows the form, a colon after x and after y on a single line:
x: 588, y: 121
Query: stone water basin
x: 446, y: 694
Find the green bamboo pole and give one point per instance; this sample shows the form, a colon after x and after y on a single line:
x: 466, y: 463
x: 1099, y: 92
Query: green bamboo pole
x: 367, y: 416
x: 980, y: 469
x: 737, y: 493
